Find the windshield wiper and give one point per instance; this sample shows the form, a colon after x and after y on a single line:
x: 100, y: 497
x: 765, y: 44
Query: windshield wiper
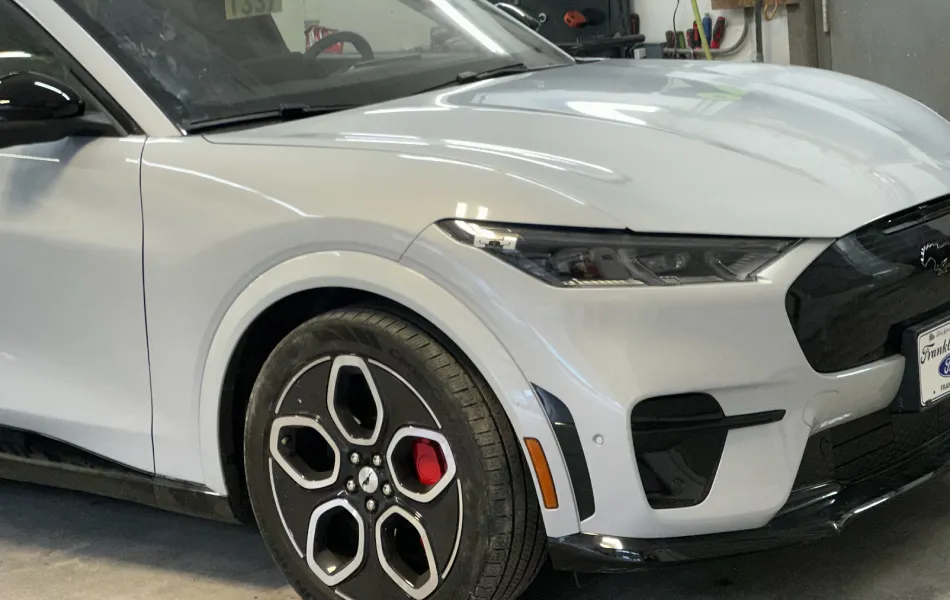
x: 284, y: 113
x: 471, y: 76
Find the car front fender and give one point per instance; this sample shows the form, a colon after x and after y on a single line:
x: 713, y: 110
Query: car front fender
x: 387, y: 278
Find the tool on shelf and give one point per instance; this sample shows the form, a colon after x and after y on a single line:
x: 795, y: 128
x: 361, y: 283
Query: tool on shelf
x: 702, y: 34
x: 718, y: 34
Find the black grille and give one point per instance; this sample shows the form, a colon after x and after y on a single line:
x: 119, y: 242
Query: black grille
x: 849, y: 453
x: 849, y: 306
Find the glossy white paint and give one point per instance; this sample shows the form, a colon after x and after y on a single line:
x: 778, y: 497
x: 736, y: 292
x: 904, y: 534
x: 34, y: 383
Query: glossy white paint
x: 603, y: 350
x: 73, y: 357
x: 237, y: 221
x: 663, y: 146
x: 243, y: 222
x: 176, y: 451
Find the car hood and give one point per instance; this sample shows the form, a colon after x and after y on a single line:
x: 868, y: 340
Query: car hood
x: 669, y: 146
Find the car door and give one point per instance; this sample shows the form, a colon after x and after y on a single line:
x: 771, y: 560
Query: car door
x: 73, y: 348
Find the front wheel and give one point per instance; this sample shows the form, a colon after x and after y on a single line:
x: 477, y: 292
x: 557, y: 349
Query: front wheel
x: 380, y: 467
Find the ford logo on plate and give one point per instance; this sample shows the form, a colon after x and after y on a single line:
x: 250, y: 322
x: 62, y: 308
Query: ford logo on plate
x: 944, y: 368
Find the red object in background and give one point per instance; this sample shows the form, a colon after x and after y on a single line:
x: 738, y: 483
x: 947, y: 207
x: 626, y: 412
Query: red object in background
x: 429, y: 467
x: 315, y: 33
x: 575, y: 18
x: 719, y: 32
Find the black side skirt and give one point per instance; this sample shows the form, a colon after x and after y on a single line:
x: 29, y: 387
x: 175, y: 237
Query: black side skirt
x: 158, y: 492
x: 32, y: 458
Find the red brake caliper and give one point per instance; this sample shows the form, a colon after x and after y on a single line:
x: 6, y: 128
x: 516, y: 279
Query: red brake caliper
x: 429, y: 463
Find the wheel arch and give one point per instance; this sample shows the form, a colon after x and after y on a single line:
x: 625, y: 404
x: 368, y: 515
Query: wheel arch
x: 303, y: 287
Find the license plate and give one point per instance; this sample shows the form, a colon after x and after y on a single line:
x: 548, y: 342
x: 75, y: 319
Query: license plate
x: 242, y: 9
x: 933, y: 358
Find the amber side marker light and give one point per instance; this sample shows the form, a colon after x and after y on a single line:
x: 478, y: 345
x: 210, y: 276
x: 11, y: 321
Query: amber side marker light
x: 543, y: 472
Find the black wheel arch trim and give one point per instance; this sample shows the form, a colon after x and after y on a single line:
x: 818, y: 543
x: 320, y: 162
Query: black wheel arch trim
x: 572, y: 451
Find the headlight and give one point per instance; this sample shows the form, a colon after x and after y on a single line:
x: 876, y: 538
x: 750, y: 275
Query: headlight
x: 588, y: 258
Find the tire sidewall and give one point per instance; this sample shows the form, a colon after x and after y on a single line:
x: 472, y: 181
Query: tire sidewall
x: 326, y: 337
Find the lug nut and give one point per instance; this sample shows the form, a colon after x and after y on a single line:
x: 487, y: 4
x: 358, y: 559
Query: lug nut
x: 355, y: 458
x: 370, y: 505
x: 377, y: 460
x: 387, y: 490
x: 350, y: 486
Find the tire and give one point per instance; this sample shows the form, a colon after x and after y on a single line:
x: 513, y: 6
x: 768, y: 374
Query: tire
x: 482, y: 524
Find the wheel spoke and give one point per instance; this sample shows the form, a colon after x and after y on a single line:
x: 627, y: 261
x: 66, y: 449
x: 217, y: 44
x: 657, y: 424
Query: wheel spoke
x: 296, y: 504
x: 304, y: 450
x: 403, y: 404
x: 364, y: 481
x: 353, y: 401
x: 324, y: 527
x: 306, y: 392
x: 371, y: 581
x: 442, y: 518
x: 404, y: 463
x: 405, y: 552
x: 336, y: 541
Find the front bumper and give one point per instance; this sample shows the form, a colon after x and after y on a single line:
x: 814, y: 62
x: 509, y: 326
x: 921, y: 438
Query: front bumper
x: 810, y: 514
x: 603, y: 352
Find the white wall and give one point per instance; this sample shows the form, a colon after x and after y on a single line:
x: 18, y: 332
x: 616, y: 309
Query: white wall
x: 656, y: 18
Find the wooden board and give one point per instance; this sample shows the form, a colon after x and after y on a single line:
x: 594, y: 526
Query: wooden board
x: 731, y: 4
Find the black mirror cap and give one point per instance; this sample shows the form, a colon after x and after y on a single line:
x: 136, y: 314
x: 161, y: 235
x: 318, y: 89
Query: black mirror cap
x: 29, y: 96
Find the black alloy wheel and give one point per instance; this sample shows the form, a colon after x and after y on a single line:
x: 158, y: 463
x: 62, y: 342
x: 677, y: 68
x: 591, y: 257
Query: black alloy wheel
x: 380, y: 467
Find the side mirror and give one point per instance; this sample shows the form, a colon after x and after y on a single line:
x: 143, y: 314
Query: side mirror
x: 31, y: 96
x: 36, y: 108
x: 519, y: 14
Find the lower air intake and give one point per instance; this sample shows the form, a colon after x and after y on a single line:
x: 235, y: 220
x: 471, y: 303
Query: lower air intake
x: 678, y: 446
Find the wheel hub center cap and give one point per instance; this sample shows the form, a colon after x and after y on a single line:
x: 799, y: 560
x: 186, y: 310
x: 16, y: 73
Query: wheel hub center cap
x: 368, y: 480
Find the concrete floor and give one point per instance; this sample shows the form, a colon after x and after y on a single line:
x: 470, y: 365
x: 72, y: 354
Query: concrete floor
x: 56, y: 544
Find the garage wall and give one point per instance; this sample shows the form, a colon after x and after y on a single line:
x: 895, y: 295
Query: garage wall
x: 656, y: 18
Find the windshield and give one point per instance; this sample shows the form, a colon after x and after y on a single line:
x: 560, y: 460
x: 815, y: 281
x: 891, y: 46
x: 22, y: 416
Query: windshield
x: 204, y: 60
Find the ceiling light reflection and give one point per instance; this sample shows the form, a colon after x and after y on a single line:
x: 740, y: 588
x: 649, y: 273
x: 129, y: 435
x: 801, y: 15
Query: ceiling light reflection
x: 230, y: 184
x: 447, y: 161
x: 470, y: 28
x: 613, y: 111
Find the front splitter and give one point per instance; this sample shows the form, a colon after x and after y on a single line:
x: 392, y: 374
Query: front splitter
x: 810, y: 514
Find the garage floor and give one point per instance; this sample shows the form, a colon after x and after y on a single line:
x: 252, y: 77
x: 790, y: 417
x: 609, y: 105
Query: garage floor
x: 57, y: 544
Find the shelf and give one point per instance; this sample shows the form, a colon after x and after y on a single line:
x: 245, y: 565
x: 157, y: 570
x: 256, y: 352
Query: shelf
x: 732, y: 4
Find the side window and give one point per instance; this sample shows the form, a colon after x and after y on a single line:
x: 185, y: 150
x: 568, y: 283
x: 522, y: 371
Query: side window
x: 26, y: 47
x: 21, y: 51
